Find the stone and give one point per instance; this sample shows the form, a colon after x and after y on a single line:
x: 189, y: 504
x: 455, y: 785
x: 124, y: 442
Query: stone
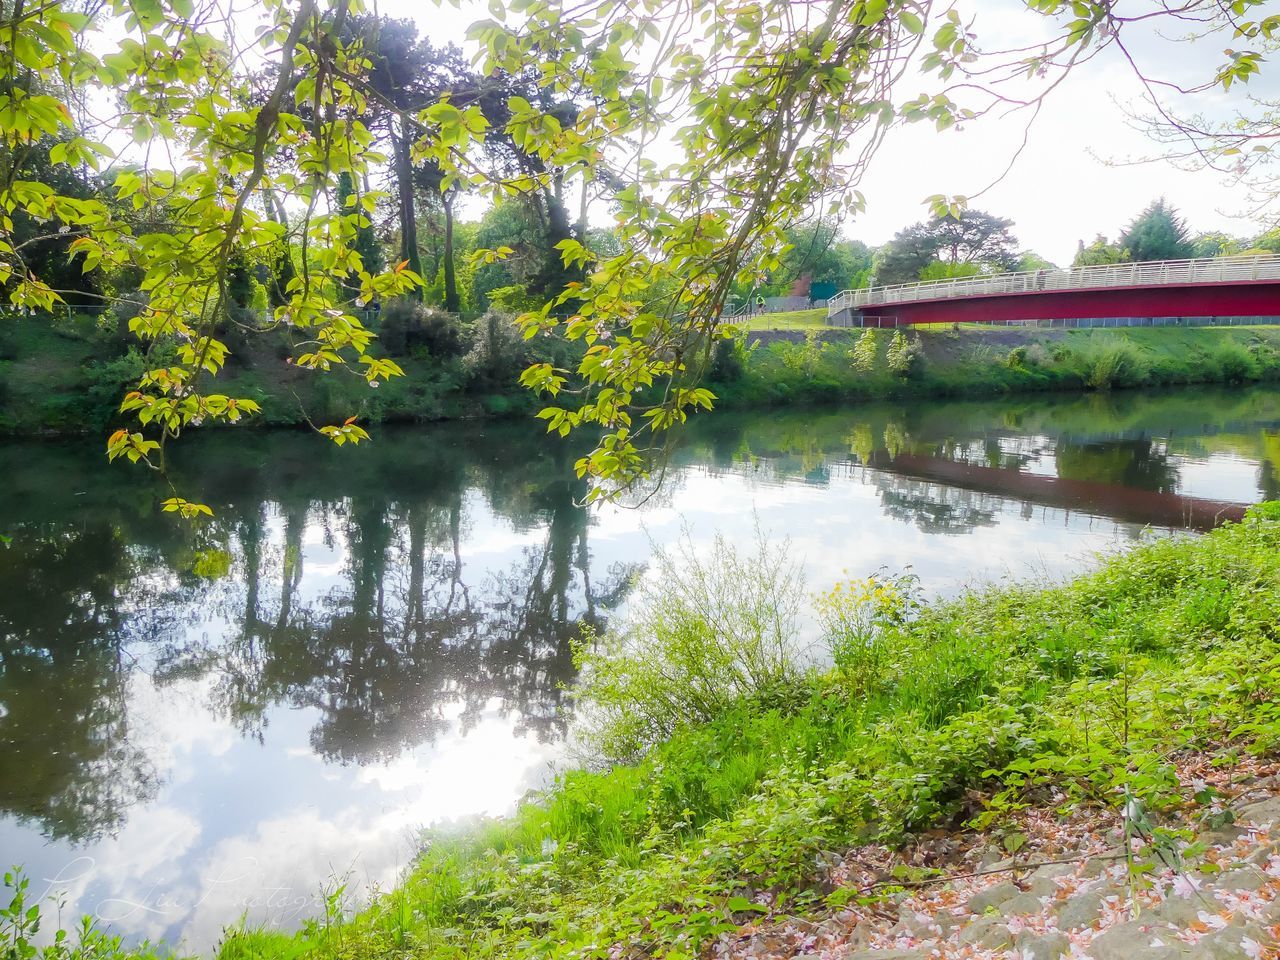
x: 992, y: 896
x: 1136, y: 940
x: 1229, y: 942
x: 916, y: 924
x: 1043, y: 882
x: 1223, y: 836
x: 948, y: 922
x: 1266, y: 811
x: 1181, y: 911
x: 1080, y: 910
x: 1242, y: 878
x: 1264, y: 853
x: 1054, y: 871
x: 1095, y: 867
x: 987, y: 932
x: 1023, y: 905
x: 1271, y: 913
x: 1049, y: 946
x: 989, y: 859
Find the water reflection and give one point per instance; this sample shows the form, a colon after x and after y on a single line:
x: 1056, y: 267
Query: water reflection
x: 362, y: 642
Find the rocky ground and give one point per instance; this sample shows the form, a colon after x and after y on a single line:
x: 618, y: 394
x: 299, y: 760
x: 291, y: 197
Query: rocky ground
x: 1210, y: 889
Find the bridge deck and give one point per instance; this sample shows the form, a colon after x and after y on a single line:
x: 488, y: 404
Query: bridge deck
x: 1218, y: 271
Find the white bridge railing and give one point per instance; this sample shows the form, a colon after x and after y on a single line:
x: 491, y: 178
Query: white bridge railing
x: 1152, y: 273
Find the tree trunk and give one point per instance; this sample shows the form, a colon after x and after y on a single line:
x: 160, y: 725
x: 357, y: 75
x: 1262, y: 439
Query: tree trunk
x: 452, y: 302
x: 408, y: 214
x: 282, y: 271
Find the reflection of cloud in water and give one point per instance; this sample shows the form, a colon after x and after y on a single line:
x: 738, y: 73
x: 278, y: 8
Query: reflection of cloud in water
x: 391, y: 644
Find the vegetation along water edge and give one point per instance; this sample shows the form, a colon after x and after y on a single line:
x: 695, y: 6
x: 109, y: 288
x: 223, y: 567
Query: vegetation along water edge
x: 733, y: 764
x: 66, y: 376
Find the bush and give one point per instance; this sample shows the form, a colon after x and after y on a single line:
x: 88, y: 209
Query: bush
x: 905, y: 358
x: 514, y: 299
x: 496, y: 349
x: 705, y: 634
x: 803, y: 358
x: 865, y: 352
x: 1104, y: 364
x: 729, y: 359
x: 1234, y: 362
x: 407, y: 325
x: 858, y: 618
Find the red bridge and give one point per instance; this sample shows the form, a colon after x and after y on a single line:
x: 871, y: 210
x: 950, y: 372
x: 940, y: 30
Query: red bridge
x: 1219, y: 287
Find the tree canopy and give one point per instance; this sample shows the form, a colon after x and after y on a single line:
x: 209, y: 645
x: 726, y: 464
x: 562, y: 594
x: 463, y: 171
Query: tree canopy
x: 708, y: 136
x: 1158, y: 233
x: 973, y: 242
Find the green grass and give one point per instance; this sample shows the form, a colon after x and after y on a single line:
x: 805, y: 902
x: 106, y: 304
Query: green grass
x: 1091, y: 688
x: 67, y: 376
x: 981, y: 361
x: 791, y: 320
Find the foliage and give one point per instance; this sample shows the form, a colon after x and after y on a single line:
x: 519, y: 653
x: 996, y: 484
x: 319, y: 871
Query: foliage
x: 815, y: 254
x: 1235, y: 363
x: 866, y: 351
x: 945, y: 270
x: 803, y: 358
x: 1030, y: 260
x: 905, y: 356
x: 407, y: 326
x: 705, y: 632
x: 1105, y: 363
x: 1075, y: 693
x: 860, y: 619
x: 1217, y: 244
x: 1101, y: 251
x: 21, y: 920
x: 1158, y: 233
x: 970, y: 243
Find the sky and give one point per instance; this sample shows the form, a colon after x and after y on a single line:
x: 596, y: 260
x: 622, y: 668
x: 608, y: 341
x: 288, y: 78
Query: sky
x: 1073, y: 181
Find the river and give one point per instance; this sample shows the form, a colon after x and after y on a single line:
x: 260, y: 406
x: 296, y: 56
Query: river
x: 199, y: 723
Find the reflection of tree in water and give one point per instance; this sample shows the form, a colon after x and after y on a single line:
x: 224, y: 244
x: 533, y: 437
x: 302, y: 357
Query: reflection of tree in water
x: 935, y: 507
x: 1140, y: 463
x: 405, y: 642
x: 1269, y: 468
x: 66, y: 761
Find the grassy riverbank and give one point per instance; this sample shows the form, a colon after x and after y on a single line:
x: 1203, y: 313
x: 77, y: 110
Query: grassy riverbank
x: 751, y: 771
x: 834, y: 366
x: 66, y: 376
x: 738, y: 773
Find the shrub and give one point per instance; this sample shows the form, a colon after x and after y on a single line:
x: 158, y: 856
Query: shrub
x: 803, y: 358
x: 704, y: 634
x: 407, y: 325
x: 1234, y: 362
x: 513, y: 299
x: 865, y: 352
x: 905, y: 357
x: 1107, y: 363
x: 729, y: 359
x: 496, y: 349
x: 857, y: 618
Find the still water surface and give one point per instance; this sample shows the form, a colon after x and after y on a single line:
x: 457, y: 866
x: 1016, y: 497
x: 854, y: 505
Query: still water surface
x: 199, y: 725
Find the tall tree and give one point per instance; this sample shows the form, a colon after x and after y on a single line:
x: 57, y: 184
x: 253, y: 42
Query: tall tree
x: 1100, y: 251
x: 1158, y: 233
x: 769, y: 111
x: 408, y: 74
x: 974, y: 237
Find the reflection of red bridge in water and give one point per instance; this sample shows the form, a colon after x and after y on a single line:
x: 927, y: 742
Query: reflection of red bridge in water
x: 1088, y: 496
x: 1220, y: 287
